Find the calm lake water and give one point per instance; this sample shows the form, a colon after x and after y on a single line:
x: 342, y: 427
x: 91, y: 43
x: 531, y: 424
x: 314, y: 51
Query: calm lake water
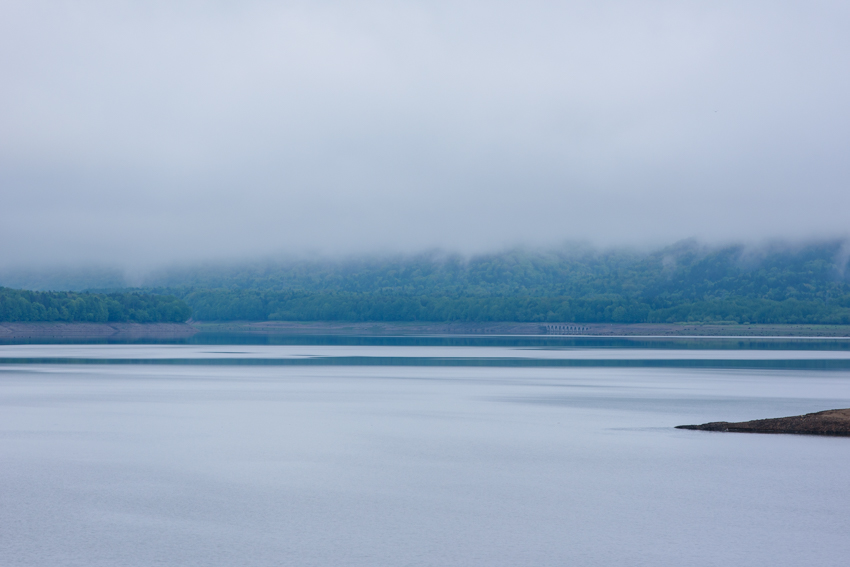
x: 439, y: 451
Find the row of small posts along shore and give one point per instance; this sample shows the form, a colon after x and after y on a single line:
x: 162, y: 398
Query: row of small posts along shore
x: 565, y: 329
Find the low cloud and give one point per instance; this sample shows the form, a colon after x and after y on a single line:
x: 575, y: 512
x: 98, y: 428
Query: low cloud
x: 146, y: 133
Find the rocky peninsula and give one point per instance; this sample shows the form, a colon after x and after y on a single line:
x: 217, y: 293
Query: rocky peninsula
x: 830, y: 422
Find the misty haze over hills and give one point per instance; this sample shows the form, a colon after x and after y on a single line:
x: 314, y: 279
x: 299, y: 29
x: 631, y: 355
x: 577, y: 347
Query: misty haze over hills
x: 565, y: 270
x: 409, y: 282
x: 170, y: 146
x: 139, y: 134
x: 685, y: 282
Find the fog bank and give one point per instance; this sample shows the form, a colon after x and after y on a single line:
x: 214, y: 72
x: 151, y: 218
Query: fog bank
x: 141, y: 134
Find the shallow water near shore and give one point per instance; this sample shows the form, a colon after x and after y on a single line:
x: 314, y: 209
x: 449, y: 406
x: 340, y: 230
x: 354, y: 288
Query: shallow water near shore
x: 211, y: 463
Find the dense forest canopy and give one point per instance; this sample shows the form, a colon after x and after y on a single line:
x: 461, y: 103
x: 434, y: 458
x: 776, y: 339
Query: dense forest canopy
x: 686, y: 268
x: 22, y: 305
x: 685, y: 282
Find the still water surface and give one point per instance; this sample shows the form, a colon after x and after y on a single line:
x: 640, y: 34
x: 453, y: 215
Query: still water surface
x: 213, y: 464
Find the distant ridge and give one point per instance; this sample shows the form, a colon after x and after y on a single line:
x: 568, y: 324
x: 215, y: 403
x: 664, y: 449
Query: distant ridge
x: 806, y: 284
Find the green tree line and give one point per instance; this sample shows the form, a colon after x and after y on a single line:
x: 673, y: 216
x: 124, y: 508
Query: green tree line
x: 257, y: 305
x: 680, y: 283
x: 23, y: 305
x: 684, y: 282
x: 684, y: 272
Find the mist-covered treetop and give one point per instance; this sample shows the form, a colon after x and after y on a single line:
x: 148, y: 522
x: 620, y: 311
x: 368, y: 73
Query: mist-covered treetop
x: 686, y: 270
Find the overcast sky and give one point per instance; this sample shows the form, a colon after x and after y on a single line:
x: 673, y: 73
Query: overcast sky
x: 140, y: 133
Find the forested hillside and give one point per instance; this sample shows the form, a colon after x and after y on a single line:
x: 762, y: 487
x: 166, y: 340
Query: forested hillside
x: 22, y: 305
x: 685, y: 282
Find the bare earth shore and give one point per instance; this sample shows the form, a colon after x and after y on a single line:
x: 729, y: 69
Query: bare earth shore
x: 831, y: 422
x: 165, y: 331
x: 94, y: 331
x: 508, y: 328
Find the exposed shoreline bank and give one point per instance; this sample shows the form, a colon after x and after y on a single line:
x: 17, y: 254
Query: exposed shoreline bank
x: 95, y: 331
x: 166, y: 331
x: 513, y: 328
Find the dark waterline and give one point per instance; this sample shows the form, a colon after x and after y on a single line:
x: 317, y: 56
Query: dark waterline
x: 423, y: 361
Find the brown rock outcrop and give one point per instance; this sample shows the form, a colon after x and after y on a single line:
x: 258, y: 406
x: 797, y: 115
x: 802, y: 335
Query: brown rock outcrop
x: 829, y: 422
